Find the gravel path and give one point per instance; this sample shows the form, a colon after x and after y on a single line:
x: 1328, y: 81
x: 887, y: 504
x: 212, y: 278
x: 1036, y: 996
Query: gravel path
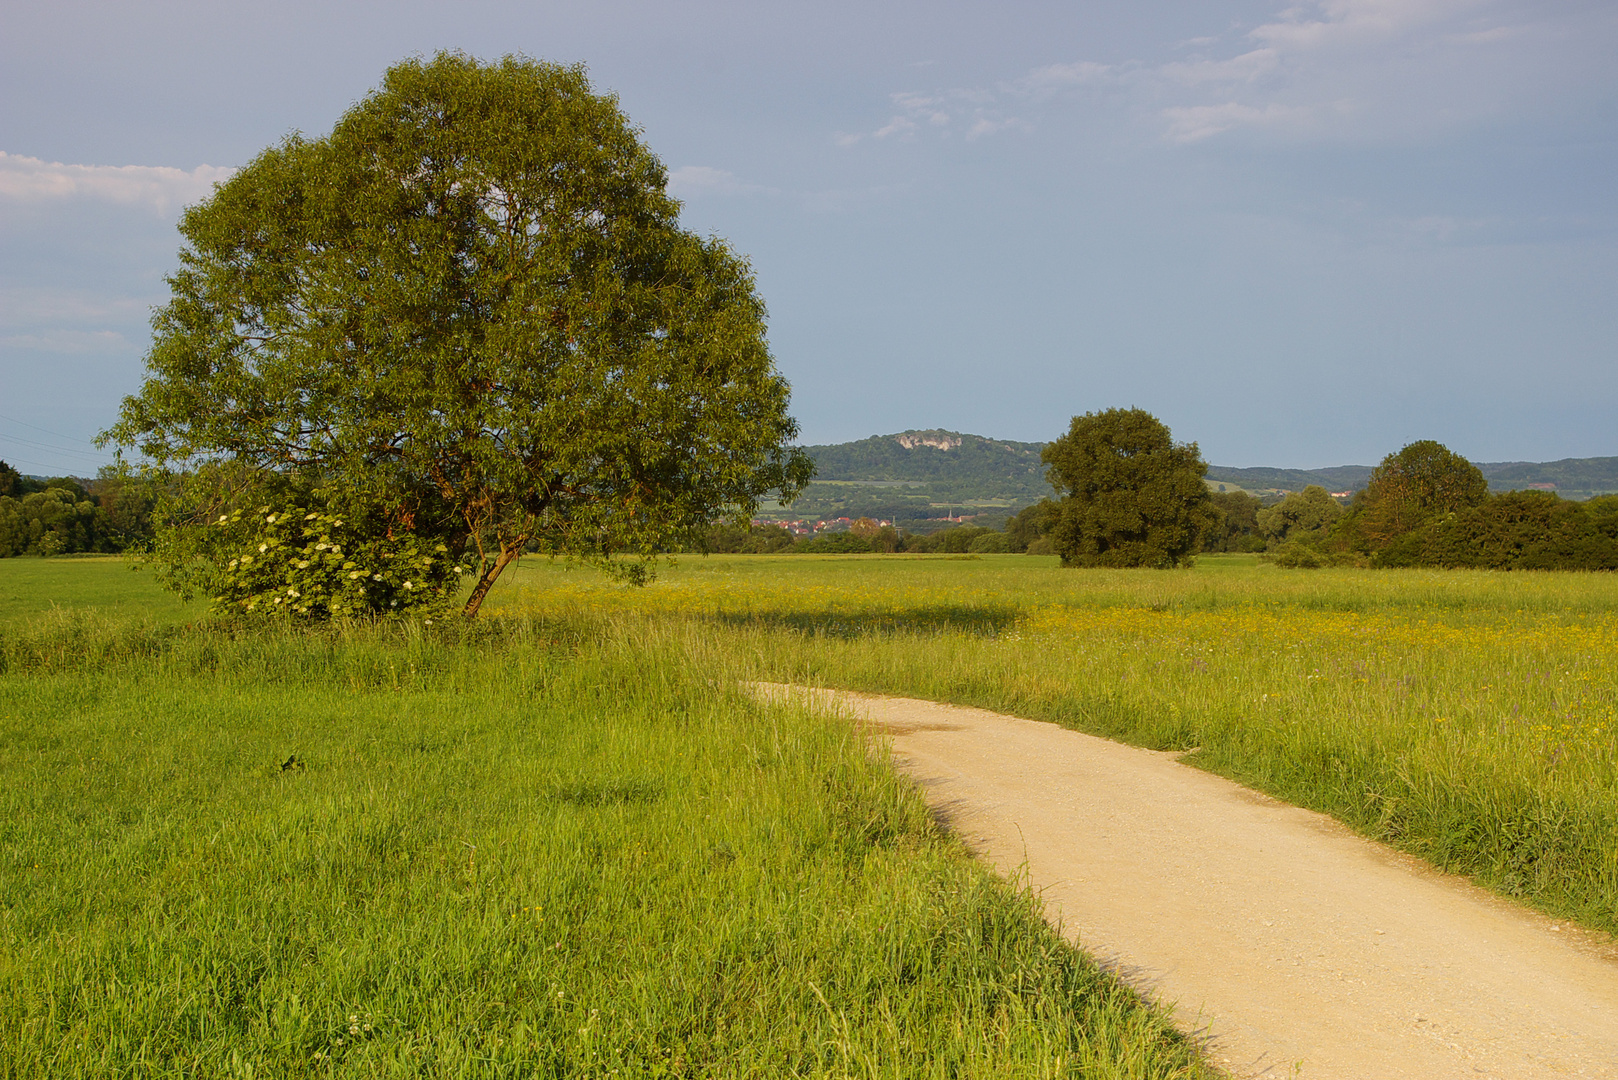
x: 1300, y: 948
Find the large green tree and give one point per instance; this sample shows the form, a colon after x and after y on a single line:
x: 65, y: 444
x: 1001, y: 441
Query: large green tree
x: 1129, y: 494
x: 470, y: 310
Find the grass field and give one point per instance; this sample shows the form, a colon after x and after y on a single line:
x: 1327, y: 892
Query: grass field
x: 103, y: 583
x: 1468, y: 717
x: 558, y: 843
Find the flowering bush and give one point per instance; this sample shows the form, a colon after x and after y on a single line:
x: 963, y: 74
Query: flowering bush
x: 315, y: 565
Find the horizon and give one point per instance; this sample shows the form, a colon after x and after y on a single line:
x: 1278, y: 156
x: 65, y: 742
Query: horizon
x: 1042, y: 442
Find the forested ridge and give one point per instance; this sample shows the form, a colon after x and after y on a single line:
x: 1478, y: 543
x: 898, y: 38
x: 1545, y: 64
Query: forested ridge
x: 977, y: 467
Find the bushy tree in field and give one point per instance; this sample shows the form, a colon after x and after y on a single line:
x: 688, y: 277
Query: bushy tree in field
x: 882, y: 538
x: 1306, y: 514
x: 1424, y: 479
x: 955, y: 540
x: 126, y: 502
x: 992, y: 542
x: 1029, y: 526
x: 1234, y: 523
x: 470, y: 310
x: 1130, y: 495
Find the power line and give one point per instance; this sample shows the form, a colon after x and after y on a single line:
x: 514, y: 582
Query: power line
x: 48, y: 431
x: 29, y: 461
x: 57, y: 449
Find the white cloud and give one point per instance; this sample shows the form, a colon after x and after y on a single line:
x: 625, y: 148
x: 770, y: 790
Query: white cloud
x: 1247, y: 67
x: 899, y: 125
x: 1316, y: 69
x: 164, y: 189
x: 973, y: 111
x: 1332, y: 22
x: 697, y: 180
x: 1043, y: 82
x: 986, y: 125
x: 1338, y: 68
x: 1194, y: 123
x: 916, y: 102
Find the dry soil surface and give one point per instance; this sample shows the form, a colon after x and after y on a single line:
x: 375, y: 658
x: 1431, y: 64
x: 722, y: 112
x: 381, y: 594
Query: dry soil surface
x: 1297, y: 947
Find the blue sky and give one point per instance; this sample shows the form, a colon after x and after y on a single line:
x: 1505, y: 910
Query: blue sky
x: 1301, y: 235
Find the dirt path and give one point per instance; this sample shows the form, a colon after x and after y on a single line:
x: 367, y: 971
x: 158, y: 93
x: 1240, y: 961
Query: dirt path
x: 1301, y: 948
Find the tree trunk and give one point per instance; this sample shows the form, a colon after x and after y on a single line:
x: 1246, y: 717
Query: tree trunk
x: 486, y: 582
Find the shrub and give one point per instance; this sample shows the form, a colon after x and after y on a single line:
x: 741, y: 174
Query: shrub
x: 726, y: 539
x: 837, y: 543
x: 1517, y: 530
x: 993, y: 543
x: 956, y: 540
x: 310, y: 564
x: 1305, y: 514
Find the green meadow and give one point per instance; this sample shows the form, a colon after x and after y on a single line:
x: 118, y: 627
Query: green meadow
x: 1469, y: 717
x: 105, y: 584
x: 557, y: 842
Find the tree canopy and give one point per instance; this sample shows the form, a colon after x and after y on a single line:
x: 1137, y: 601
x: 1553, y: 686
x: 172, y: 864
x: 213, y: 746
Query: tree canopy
x: 1310, y: 511
x: 1129, y: 494
x: 1421, y: 480
x: 469, y: 309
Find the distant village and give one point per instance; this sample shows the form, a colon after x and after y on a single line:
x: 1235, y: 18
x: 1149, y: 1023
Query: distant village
x: 805, y: 527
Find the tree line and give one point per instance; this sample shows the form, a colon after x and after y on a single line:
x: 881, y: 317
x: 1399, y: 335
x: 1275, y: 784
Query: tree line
x: 66, y: 515
x: 1424, y: 506
x: 1128, y: 495
x: 1124, y: 498
x: 864, y: 536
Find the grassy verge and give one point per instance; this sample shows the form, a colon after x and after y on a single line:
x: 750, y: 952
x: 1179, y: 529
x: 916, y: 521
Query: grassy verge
x: 557, y: 846
x: 1468, y: 717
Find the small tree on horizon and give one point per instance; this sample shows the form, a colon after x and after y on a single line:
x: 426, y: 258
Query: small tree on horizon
x: 1306, y: 513
x: 1130, y: 496
x: 1422, y: 480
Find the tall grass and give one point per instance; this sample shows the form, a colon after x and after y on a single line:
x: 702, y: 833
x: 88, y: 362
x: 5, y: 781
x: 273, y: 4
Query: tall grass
x: 546, y: 845
x: 1468, y: 717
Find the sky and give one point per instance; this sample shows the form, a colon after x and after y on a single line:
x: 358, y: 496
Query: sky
x: 1301, y: 235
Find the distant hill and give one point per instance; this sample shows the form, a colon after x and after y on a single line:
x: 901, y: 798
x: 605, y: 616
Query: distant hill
x: 913, y: 476
x: 935, y: 457
x: 920, y: 475
x: 1572, y: 478
x: 1259, y: 480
